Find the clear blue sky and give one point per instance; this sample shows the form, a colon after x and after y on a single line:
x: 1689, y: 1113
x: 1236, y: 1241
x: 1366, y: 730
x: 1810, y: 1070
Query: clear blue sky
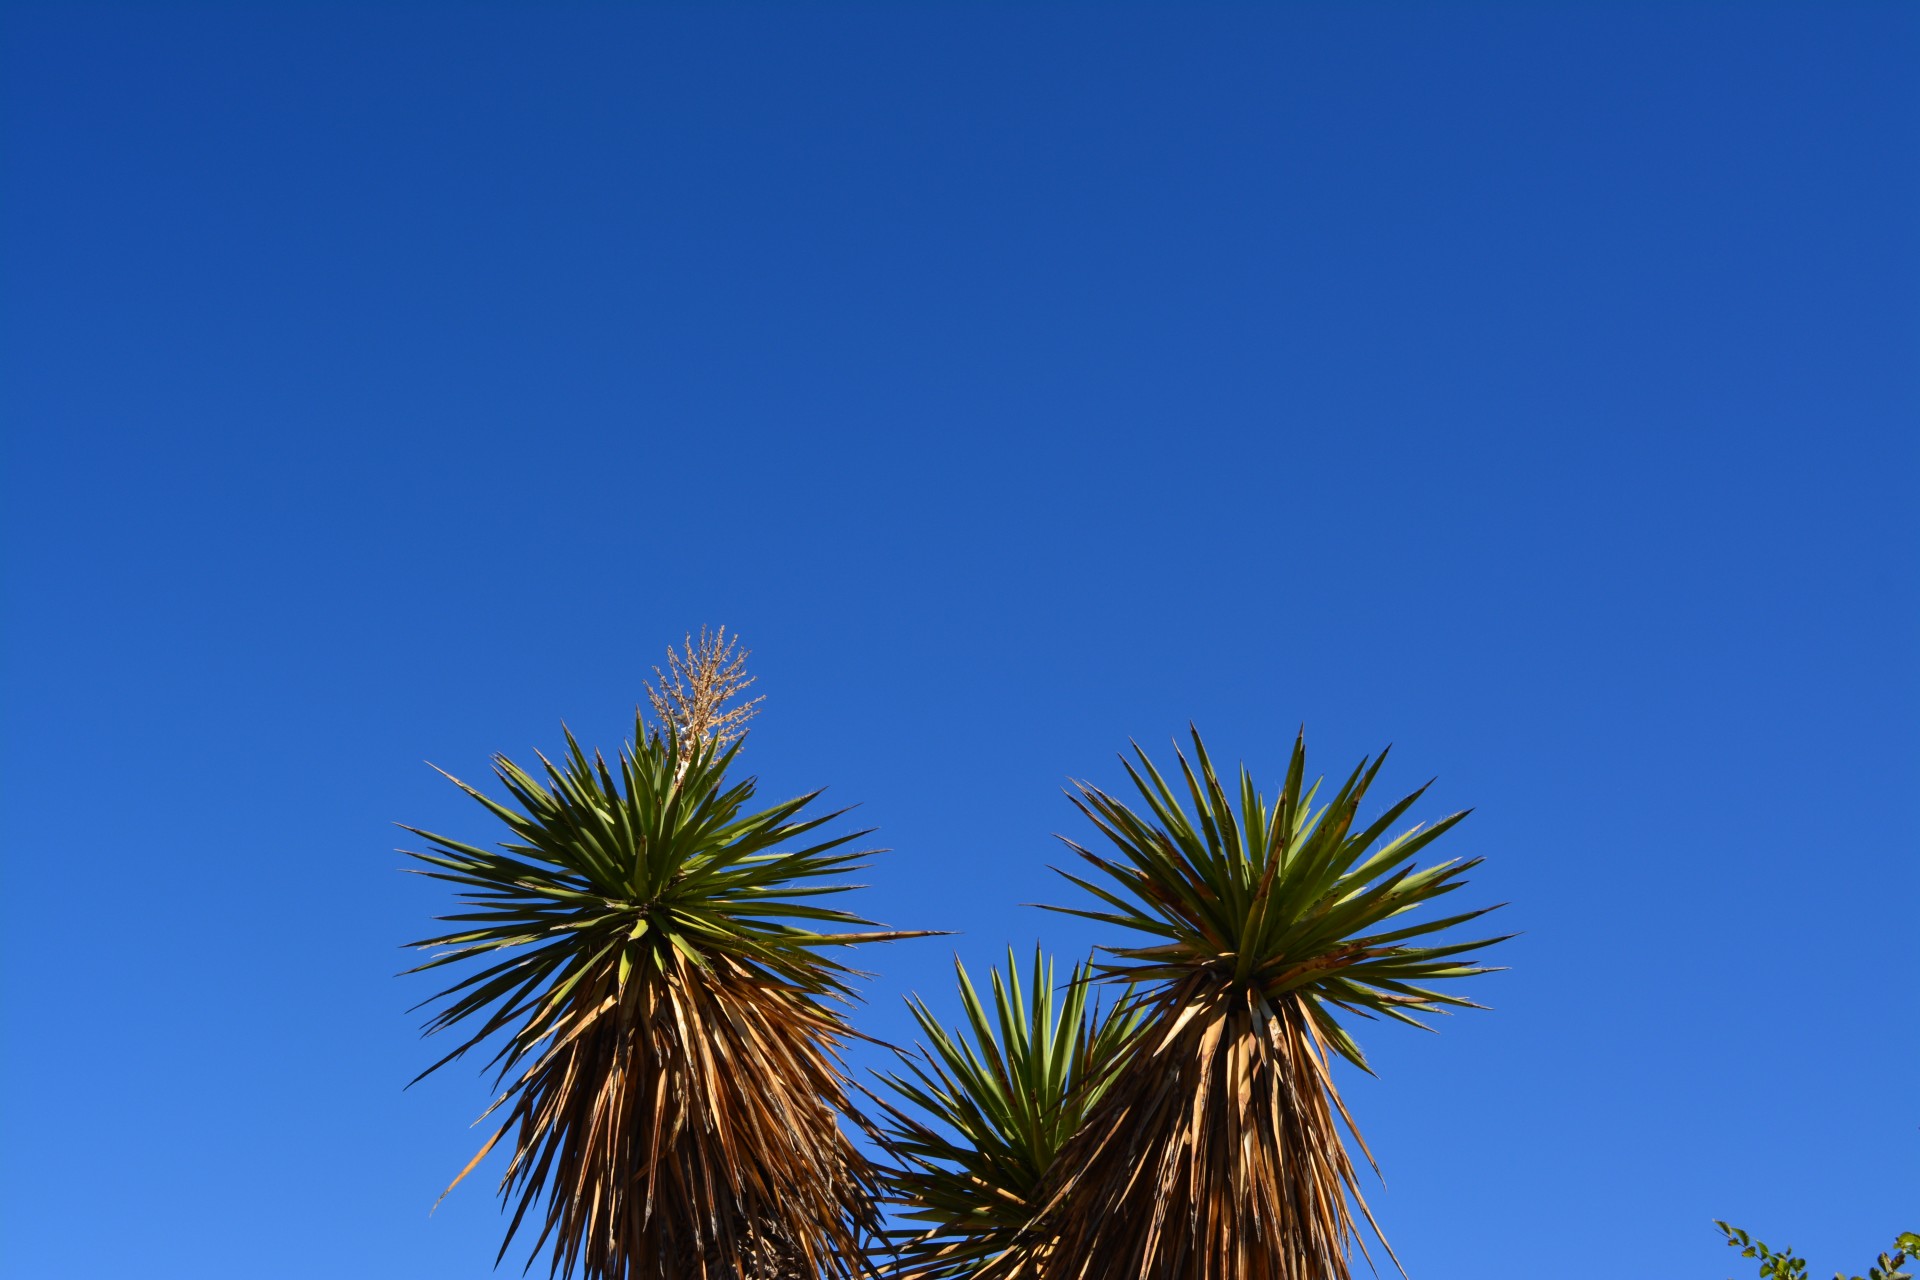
x: 1531, y: 386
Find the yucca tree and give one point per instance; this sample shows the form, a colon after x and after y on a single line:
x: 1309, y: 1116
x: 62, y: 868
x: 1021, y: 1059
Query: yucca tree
x: 646, y: 956
x: 979, y: 1115
x: 1214, y: 1152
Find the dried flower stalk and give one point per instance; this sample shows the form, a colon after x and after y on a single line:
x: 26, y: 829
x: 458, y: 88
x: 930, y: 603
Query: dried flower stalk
x: 694, y: 690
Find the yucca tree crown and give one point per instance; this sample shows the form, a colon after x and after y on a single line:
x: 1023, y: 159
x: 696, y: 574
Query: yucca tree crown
x: 1214, y: 1154
x: 651, y: 958
x: 982, y: 1113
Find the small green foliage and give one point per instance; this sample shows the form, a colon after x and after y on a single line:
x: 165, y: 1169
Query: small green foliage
x: 983, y: 1111
x: 1783, y: 1265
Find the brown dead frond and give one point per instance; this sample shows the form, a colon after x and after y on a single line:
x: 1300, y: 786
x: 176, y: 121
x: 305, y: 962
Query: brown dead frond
x: 694, y: 690
x: 686, y: 1128
x: 1215, y: 1155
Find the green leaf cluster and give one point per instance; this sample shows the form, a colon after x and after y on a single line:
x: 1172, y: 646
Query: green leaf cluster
x: 630, y: 866
x: 982, y: 1111
x: 1282, y: 898
x: 1783, y: 1264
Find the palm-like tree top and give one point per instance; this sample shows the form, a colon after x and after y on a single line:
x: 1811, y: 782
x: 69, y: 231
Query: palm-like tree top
x: 1214, y: 1153
x: 656, y: 968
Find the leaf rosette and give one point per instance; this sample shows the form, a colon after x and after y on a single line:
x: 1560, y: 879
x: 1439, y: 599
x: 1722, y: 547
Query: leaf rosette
x: 1215, y: 1153
x: 655, y: 967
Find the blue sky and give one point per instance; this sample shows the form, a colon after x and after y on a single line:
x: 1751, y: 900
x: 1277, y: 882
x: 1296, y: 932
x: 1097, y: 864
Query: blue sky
x: 1530, y: 386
